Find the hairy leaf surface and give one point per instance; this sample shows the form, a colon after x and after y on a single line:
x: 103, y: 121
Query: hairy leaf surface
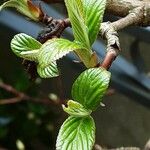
x: 76, y: 133
x: 90, y: 87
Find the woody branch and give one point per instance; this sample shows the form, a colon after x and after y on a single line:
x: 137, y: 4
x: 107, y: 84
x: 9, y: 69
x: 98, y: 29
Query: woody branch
x: 132, y: 12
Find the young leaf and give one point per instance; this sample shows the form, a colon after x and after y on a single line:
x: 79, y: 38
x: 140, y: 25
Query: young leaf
x: 76, y: 109
x: 55, y: 49
x: 25, y: 46
x: 76, y: 133
x: 90, y: 87
x: 48, y: 71
x: 89, y: 59
x: 93, y: 11
x: 75, y: 12
x: 86, y: 17
x: 26, y: 7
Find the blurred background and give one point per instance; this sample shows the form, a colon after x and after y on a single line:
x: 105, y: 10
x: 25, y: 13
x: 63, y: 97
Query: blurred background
x: 125, y: 119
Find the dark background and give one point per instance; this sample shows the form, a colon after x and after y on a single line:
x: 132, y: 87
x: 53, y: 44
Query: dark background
x: 124, y: 121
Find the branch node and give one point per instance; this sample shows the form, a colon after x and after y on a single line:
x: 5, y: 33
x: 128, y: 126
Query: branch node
x: 113, y: 46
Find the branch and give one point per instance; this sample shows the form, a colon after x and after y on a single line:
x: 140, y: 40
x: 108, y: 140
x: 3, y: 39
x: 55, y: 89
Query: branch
x: 11, y: 100
x: 109, y: 32
x: 98, y: 147
x: 113, y: 46
x: 135, y: 17
x: 53, y: 29
x: 147, y: 147
x: 122, y: 8
x: 135, y: 12
x: 20, y: 96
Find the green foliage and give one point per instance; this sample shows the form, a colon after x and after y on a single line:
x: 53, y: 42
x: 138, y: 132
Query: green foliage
x: 90, y: 87
x: 25, y: 7
x: 55, y: 49
x: 51, y: 51
x: 45, y: 55
x: 75, y: 12
x: 76, y: 109
x: 25, y: 46
x: 85, y: 17
x: 48, y: 71
x: 93, y: 11
x: 87, y: 91
x: 76, y: 133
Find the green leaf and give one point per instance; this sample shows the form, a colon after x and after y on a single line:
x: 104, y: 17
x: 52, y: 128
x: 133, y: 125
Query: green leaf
x: 86, y: 17
x: 90, y: 87
x: 48, y: 71
x: 76, y: 109
x: 80, y: 30
x: 55, y: 49
x: 76, y: 133
x: 26, y: 7
x: 93, y: 11
x: 89, y: 59
x: 25, y: 46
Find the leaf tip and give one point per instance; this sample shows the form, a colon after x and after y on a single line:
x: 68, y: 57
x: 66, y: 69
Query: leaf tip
x: 76, y: 109
x: 1, y: 7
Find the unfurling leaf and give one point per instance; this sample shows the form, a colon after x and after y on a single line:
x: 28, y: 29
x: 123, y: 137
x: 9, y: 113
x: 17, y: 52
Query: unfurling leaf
x: 55, y: 49
x: 76, y: 109
x: 26, y: 7
x: 76, y: 133
x: 93, y: 11
x: 25, y: 46
x: 90, y: 87
x: 86, y: 17
x: 75, y: 12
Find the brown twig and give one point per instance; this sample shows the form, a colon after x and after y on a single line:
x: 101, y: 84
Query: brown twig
x: 109, y: 32
x: 113, y: 46
x: 135, y: 17
x: 20, y: 96
x: 11, y: 100
x: 147, y: 147
x: 98, y: 147
x: 135, y: 12
x: 122, y: 8
x: 11, y: 89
